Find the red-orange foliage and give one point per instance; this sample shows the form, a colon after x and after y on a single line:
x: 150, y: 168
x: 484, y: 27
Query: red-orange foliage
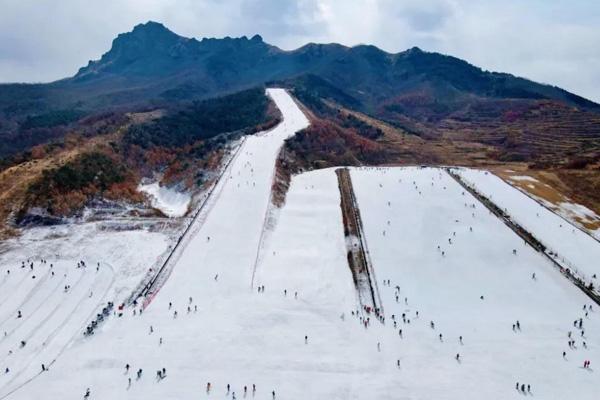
x: 327, y: 142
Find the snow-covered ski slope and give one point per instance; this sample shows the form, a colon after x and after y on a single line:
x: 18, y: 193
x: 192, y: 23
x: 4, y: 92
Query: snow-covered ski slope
x: 576, y: 249
x: 52, y: 318
x: 427, y: 209
x: 214, y: 270
x: 233, y: 334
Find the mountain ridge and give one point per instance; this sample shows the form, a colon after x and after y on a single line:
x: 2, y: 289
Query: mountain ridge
x: 151, y: 50
x: 152, y: 67
x: 141, y: 103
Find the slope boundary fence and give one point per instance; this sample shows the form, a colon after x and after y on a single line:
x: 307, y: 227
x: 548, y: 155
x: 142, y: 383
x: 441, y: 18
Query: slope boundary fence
x: 149, y: 289
x: 527, y: 236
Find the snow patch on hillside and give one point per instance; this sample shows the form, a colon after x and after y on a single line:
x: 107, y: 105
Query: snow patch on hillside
x: 577, y: 212
x: 171, y: 202
x: 523, y: 178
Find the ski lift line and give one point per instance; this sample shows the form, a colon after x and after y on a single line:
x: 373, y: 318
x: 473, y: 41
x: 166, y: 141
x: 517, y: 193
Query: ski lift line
x: 546, y: 248
x: 527, y: 237
x: 351, y: 231
x: 149, y: 291
x: 176, y: 254
x: 210, y: 201
x: 537, y: 243
x: 207, y: 196
x: 365, y: 253
x: 365, y: 281
x: 571, y: 223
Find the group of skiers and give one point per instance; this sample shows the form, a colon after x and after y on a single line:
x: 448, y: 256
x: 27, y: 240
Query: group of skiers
x: 523, y: 388
x: 31, y: 265
x: 233, y: 396
x: 161, y: 373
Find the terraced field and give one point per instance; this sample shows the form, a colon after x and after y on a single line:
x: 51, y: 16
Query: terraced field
x: 547, y: 134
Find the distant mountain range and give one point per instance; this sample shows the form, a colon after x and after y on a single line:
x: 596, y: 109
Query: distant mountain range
x: 137, y: 105
x: 151, y: 63
x: 152, y: 67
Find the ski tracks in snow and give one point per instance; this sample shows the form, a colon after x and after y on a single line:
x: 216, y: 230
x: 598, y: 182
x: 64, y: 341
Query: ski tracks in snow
x: 65, y: 321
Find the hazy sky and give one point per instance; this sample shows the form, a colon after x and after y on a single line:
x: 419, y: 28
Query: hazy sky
x: 550, y: 41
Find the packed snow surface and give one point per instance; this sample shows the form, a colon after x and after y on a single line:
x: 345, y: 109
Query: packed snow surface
x: 215, y: 271
x: 58, y: 297
x: 471, y: 286
x: 576, y: 249
x: 171, y: 202
x: 302, y: 336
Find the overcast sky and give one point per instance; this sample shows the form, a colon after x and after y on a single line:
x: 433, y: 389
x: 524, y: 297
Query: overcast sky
x: 550, y: 41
